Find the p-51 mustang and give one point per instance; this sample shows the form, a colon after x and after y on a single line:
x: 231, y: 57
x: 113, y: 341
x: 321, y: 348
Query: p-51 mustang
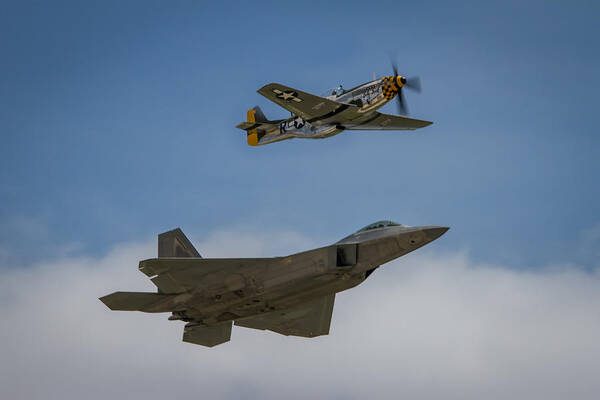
x: 315, y: 117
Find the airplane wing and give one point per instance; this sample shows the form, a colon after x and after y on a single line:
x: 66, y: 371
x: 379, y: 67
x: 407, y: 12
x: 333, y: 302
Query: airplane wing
x: 387, y: 122
x: 307, y: 106
x: 178, y: 275
x: 307, y: 320
x: 207, y: 335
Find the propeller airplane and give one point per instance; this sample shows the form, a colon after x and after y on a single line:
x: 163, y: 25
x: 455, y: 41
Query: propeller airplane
x: 316, y: 117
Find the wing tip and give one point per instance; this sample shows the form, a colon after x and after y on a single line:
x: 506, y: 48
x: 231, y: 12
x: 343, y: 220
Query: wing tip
x: 147, y: 266
x: 108, y: 301
x: 420, y: 123
x: 267, y: 86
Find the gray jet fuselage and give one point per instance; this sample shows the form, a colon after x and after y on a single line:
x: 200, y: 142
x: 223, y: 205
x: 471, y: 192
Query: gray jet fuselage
x: 291, y: 295
x: 288, y: 281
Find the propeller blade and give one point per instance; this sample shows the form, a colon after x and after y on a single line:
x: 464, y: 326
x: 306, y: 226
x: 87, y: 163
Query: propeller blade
x: 414, y: 83
x: 402, y: 109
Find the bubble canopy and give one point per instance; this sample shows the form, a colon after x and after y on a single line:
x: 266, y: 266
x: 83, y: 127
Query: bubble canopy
x: 379, y: 224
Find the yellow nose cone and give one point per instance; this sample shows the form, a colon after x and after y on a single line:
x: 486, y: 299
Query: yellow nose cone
x: 391, y: 85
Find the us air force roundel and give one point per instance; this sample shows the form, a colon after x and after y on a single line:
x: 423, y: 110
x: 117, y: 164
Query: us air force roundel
x: 288, y: 95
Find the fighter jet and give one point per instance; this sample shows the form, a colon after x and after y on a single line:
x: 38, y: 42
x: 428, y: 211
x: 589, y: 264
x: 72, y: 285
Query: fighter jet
x: 291, y: 295
x: 318, y: 117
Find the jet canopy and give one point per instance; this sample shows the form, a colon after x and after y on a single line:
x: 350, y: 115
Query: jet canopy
x: 379, y: 224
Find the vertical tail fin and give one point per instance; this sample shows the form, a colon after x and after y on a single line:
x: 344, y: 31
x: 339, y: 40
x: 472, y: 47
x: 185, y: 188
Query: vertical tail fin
x: 252, y: 115
x: 175, y: 244
x: 256, y: 124
x: 259, y: 116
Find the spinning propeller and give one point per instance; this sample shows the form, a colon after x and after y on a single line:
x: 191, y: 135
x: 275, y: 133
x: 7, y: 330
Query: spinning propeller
x: 395, y: 85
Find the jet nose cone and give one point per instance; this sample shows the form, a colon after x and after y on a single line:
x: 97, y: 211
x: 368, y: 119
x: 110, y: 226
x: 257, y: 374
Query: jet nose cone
x: 435, y: 232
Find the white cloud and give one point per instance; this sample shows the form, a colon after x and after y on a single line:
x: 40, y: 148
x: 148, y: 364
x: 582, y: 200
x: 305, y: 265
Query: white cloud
x: 426, y: 326
x: 24, y: 240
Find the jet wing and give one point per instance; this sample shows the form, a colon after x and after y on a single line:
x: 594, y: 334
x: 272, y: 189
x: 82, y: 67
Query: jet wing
x: 307, y: 320
x: 178, y: 275
x: 387, y: 122
x: 307, y: 106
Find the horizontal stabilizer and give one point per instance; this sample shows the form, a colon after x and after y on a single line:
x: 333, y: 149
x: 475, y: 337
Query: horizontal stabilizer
x: 259, y: 125
x: 139, y: 301
x: 256, y: 119
x: 256, y: 125
x: 248, y: 125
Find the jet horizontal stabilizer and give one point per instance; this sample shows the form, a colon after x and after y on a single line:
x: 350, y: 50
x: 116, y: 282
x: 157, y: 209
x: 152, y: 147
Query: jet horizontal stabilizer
x: 139, y: 301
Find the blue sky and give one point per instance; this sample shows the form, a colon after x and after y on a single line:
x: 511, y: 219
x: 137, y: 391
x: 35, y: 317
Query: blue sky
x: 118, y: 122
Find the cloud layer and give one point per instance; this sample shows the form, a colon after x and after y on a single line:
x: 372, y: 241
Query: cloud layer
x: 426, y: 326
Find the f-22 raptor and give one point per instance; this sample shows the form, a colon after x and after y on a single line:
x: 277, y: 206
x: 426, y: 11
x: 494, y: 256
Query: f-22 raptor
x: 291, y: 295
